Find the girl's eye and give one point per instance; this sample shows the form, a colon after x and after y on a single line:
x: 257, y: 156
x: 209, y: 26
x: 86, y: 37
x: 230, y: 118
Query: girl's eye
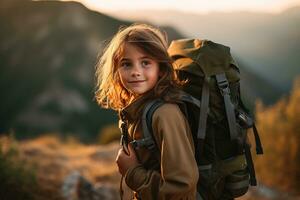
x: 145, y: 63
x: 125, y: 64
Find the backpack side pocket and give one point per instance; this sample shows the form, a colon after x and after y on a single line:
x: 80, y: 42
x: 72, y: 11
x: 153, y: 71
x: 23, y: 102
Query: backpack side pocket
x: 237, y: 183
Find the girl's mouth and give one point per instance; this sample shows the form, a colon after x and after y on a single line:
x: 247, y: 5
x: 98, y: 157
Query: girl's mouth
x: 137, y: 81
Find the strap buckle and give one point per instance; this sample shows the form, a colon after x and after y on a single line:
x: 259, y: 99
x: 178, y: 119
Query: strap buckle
x: 145, y: 142
x: 223, y: 84
x: 123, y: 127
x: 225, y: 91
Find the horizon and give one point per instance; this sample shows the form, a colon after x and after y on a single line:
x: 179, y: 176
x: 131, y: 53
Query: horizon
x: 203, y: 7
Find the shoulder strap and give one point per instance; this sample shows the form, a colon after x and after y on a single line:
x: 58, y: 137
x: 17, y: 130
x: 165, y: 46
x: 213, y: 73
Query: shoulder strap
x: 203, y: 106
x: 147, y: 139
x: 229, y: 107
x: 190, y: 99
x: 203, y: 109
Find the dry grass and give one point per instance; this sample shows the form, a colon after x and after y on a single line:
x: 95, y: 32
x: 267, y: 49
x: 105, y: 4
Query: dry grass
x: 279, y: 127
x: 53, y: 160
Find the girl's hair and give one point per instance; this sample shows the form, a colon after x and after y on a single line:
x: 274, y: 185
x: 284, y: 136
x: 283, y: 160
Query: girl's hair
x: 110, y: 93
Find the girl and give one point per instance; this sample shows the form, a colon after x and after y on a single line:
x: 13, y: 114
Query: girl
x: 134, y: 69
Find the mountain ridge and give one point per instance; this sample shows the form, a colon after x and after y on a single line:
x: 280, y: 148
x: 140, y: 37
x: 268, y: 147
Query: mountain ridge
x: 49, y: 50
x: 268, y: 43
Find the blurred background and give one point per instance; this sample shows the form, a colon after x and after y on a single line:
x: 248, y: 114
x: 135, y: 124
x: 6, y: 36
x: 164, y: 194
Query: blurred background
x: 54, y: 138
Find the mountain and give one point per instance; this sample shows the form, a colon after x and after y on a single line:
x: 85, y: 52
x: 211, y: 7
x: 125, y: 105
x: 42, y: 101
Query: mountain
x: 48, y: 52
x: 269, y: 44
x: 254, y: 87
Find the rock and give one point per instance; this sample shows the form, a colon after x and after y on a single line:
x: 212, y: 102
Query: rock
x: 76, y: 187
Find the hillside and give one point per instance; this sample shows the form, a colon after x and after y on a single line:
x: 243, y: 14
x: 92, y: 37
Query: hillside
x: 48, y: 52
x: 279, y: 127
x: 68, y: 169
x: 269, y: 44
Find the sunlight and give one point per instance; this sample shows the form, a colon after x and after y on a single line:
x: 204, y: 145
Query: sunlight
x: 192, y: 6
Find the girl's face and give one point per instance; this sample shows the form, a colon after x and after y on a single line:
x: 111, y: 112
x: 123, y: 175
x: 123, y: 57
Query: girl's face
x: 137, y: 71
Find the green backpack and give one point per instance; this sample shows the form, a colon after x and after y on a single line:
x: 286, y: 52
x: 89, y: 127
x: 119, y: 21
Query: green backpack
x: 217, y: 117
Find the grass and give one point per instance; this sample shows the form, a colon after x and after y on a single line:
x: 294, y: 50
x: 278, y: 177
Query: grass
x: 17, y: 179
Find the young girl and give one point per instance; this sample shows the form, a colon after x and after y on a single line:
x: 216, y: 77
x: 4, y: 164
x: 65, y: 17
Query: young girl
x: 135, y: 69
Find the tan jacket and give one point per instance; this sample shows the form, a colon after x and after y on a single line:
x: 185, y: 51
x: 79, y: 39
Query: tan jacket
x: 172, y: 172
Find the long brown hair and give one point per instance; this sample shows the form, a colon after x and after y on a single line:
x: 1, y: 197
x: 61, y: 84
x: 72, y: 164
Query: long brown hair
x: 110, y: 93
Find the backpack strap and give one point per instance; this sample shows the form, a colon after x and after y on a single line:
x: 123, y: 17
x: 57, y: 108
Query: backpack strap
x: 147, y: 139
x: 250, y: 165
x: 124, y: 132
x: 203, y: 109
x: 190, y: 99
x: 249, y: 160
x: 229, y: 107
x: 203, y: 105
x: 258, y: 146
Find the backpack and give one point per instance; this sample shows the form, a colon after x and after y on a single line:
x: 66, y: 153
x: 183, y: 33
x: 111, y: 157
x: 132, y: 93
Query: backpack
x: 217, y: 117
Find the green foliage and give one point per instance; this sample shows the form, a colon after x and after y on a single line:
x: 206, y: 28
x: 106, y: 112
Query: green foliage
x: 110, y: 133
x: 17, y: 181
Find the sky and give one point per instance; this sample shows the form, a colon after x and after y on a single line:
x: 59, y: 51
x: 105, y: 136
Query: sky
x: 192, y: 6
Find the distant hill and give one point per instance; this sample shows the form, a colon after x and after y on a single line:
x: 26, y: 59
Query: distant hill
x: 48, y: 52
x: 254, y: 87
x: 269, y: 44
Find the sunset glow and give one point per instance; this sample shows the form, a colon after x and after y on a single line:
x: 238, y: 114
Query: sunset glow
x: 195, y: 6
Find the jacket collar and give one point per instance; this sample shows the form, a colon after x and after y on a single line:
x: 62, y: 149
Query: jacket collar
x: 134, y: 109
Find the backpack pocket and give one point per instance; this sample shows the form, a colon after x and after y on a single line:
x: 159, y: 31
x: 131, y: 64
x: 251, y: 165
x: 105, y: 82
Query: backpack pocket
x: 237, y: 183
x: 210, y: 185
x: 205, y: 175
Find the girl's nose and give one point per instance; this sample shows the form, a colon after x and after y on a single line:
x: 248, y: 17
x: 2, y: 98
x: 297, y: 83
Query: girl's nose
x: 136, y: 71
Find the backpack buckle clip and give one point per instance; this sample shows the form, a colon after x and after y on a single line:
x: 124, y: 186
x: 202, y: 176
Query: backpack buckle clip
x: 145, y: 142
x: 225, y: 90
x: 223, y: 84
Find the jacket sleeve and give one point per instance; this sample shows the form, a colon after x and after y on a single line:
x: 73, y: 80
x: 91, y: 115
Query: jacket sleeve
x: 178, y: 174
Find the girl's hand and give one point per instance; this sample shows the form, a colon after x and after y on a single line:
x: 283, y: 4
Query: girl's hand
x: 125, y: 161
